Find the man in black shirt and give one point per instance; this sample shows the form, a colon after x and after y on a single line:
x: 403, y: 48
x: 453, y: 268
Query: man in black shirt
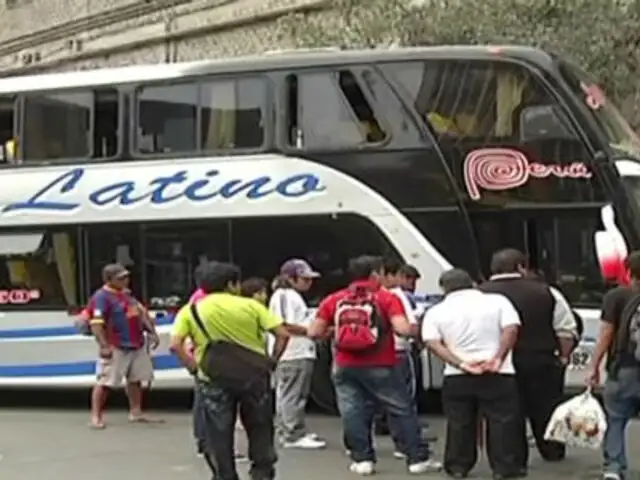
x: 622, y: 387
x: 547, y: 336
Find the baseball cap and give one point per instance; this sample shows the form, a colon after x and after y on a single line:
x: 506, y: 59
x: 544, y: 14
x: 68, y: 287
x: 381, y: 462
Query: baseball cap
x: 114, y: 271
x: 296, y: 267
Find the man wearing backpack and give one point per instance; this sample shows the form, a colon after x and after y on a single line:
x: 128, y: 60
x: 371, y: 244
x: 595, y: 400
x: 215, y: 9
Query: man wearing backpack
x: 619, y: 340
x: 364, y: 316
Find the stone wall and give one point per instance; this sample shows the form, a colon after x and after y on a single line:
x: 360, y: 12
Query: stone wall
x: 70, y: 34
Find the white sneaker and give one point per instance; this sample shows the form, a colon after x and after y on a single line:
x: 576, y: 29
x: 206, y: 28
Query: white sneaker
x: 362, y: 468
x: 425, y: 467
x: 306, y: 442
x: 399, y: 455
x: 611, y: 476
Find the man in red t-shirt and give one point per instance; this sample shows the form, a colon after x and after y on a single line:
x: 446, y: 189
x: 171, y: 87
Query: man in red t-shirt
x: 364, y: 378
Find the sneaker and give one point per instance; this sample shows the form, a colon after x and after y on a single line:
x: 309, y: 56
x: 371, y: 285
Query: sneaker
x: 399, y: 455
x: 425, y: 467
x: 306, y: 442
x: 362, y: 468
x: 611, y: 476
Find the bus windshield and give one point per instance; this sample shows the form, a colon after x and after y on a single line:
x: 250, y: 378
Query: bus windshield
x: 620, y: 136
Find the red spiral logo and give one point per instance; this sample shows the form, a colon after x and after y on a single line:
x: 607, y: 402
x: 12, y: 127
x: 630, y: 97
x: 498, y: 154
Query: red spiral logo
x: 494, y: 169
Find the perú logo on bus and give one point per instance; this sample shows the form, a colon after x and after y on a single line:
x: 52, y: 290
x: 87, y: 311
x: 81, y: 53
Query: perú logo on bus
x: 18, y: 296
x: 498, y: 169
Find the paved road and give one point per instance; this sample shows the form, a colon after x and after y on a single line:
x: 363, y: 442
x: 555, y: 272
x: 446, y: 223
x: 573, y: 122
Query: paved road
x: 57, y: 445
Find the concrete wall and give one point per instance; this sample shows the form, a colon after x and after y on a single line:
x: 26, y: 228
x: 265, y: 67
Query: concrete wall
x: 71, y: 34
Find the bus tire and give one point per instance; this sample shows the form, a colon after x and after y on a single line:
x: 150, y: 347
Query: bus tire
x: 323, y: 394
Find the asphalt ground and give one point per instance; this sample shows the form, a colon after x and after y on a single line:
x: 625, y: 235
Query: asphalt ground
x: 43, y: 439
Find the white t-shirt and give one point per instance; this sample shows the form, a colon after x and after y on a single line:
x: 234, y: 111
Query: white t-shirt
x: 403, y: 344
x: 289, y: 305
x: 470, y: 322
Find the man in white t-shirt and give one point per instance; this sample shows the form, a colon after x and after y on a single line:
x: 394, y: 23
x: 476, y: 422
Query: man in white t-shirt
x: 474, y: 333
x: 294, y: 372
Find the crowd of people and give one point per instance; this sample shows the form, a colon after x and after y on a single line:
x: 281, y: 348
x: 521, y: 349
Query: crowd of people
x: 505, y: 344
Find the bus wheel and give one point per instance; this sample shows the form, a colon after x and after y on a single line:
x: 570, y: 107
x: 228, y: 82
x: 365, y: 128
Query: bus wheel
x: 323, y: 394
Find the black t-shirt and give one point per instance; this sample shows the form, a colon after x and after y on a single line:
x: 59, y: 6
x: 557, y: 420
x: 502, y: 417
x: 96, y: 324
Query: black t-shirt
x: 613, y: 305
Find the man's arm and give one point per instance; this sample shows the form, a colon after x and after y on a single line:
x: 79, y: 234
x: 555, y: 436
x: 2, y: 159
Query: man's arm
x: 611, y: 311
x: 564, y: 324
x: 322, y: 326
x: 181, y: 330
x: 509, y: 325
x: 273, y: 324
x: 432, y: 337
x: 97, y: 322
x: 400, y: 322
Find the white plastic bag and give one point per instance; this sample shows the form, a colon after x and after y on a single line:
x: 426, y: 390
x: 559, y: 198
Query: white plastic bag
x: 579, y: 422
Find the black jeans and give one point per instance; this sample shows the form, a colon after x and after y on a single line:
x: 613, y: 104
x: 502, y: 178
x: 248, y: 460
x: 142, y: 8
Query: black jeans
x: 541, y: 388
x: 220, y: 405
x: 466, y: 399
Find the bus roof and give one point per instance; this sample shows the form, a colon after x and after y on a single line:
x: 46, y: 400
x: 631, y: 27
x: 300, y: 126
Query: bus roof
x: 303, y: 58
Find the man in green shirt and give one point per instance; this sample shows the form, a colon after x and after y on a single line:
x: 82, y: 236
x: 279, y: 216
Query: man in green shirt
x: 245, y: 322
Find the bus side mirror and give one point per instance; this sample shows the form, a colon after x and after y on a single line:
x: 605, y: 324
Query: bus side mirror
x: 611, y: 257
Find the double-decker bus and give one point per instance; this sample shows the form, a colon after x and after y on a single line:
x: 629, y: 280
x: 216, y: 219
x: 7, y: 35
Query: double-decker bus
x: 437, y: 155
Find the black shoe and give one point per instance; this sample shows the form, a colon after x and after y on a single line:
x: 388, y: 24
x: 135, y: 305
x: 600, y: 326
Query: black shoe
x: 457, y: 474
x: 518, y: 474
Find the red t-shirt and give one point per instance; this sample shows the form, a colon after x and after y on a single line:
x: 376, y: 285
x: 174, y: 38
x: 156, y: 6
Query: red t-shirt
x: 389, y: 305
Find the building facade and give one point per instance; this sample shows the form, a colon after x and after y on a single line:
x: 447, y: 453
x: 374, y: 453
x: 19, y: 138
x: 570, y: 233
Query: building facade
x: 59, y: 35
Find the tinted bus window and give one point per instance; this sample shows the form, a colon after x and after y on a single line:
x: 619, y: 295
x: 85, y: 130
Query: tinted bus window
x: 330, y: 110
x: 201, y: 116
x: 617, y: 130
x: 505, y: 137
x: 57, y: 127
x: 8, y: 143
x: 39, y: 270
x: 60, y: 127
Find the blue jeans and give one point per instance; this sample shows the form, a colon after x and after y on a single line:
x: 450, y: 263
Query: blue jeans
x: 199, y: 427
x: 622, y: 403
x: 358, y: 390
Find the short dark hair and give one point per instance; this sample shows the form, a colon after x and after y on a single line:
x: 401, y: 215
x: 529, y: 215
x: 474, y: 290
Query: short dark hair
x: 361, y: 268
x: 410, y: 271
x: 455, y: 279
x: 253, y: 285
x: 633, y: 264
x: 391, y: 266
x: 216, y: 276
x: 507, y: 260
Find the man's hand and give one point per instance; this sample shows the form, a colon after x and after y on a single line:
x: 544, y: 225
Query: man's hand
x: 475, y: 368
x: 154, y: 340
x: 192, y: 367
x: 492, y: 366
x: 105, y: 351
x: 592, y: 378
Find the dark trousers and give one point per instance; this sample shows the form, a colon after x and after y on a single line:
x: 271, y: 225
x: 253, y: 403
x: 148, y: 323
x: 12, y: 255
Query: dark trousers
x: 358, y: 391
x: 220, y: 406
x: 466, y: 399
x: 541, y: 389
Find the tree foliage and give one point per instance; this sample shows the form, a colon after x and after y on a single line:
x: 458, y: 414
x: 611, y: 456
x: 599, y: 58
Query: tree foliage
x: 603, y: 36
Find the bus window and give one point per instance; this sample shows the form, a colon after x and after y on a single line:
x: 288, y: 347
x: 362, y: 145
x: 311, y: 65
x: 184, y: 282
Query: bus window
x: 8, y: 140
x: 113, y: 243
x: 38, y: 270
x: 167, y: 117
x: 106, y: 123
x: 171, y: 254
x: 233, y: 114
x: 202, y: 117
x: 330, y: 110
x: 476, y: 107
x: 57, y: 127
x: 620, y: 135
x: 261, y: 245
